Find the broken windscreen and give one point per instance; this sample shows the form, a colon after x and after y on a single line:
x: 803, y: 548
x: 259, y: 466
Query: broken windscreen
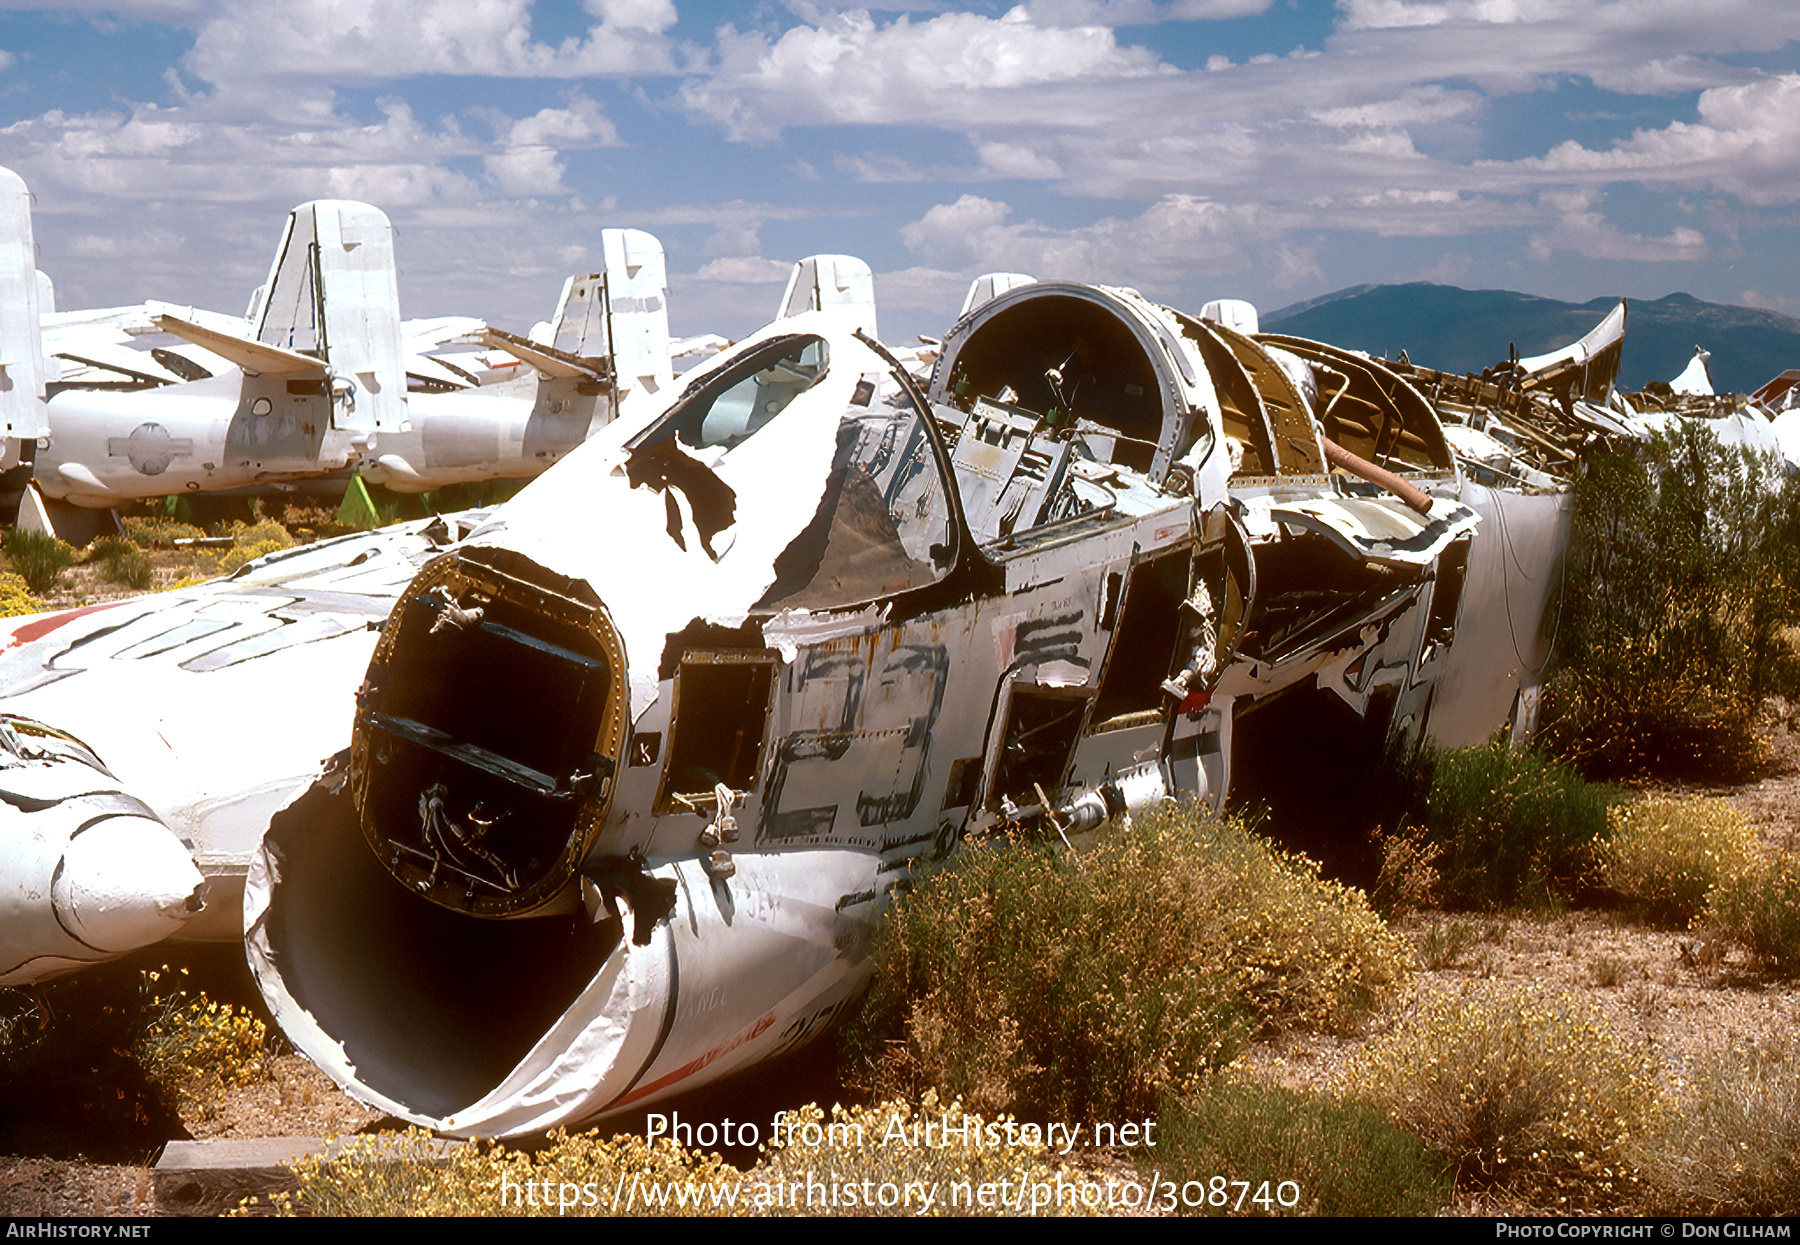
x: 883, y: 525
x: 726, y: 408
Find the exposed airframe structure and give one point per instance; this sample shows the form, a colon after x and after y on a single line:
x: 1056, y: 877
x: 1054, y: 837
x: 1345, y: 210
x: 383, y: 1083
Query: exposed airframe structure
x: 595, y: 843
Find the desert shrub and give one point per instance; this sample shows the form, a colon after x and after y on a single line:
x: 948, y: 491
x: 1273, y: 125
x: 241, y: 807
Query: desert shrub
x: 1512, y: 1085
x: 249, y: 542
x: 1408, y: 878
x: 1343, y: 1157
x: 1608, y: 971
x: 1757, y: 907
x: 1731, y: 1143
x: 195, y: 1050
x: 1664, y: 855
x: 119, y: 561
x: 16, y: 598
x: 416, y: 1174
x: 1684, y: 570
x: 1075, y: 988
x: 38, y: 557
x: 1511, y: 827
x: 158, y: 531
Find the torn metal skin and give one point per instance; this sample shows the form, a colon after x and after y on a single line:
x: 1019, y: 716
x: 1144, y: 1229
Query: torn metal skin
x: 636, y: 765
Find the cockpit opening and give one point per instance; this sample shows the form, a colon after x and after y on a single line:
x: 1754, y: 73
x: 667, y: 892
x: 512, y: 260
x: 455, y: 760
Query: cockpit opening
x: 1073, y: 362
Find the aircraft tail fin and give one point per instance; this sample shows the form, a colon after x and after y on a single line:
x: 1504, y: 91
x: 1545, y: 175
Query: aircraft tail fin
x: 333, y: 293
x: 22, y: 368
x: 837, y: 283
x: 622, y: 312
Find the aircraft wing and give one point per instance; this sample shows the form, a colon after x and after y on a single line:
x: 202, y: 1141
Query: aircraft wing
x: 420, y: 336
x: 100, y: 353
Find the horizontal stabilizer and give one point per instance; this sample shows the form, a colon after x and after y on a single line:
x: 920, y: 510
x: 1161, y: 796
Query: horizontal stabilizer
x: 253, y: 357
x: 549, y: 361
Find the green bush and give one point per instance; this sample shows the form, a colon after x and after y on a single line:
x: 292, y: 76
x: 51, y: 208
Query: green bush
x: 1511, y: 1085
x: 1443, y: 944
x: 1076, y: 988
x: 1342, y: 1157
x: 1731, y: 1145
x: 1511, y: 827
x: 1757, y: 907
x: 121, y: 562
x: 1665, y: 855
x: 1684, y: 570
x: 37, y: 556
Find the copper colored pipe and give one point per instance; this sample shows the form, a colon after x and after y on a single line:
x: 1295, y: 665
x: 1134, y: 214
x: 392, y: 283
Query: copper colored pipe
x: 1362, y: 468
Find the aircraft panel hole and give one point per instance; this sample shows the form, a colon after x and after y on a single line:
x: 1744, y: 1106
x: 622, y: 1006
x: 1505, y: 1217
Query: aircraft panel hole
x: 1143, y: 650
x: 721, y: 713
x: 481, y: 751
x: 1041, y: 728
x: 433, y: 1007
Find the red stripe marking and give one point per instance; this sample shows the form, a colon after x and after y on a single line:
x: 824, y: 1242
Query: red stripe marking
x: 688, y: 1069
x: 42, y: 627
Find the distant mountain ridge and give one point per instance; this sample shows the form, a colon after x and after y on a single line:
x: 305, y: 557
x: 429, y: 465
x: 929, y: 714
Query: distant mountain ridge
x: 1457, y: 330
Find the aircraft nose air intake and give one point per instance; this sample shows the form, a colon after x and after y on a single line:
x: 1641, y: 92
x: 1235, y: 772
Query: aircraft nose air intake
x: 125, y: 883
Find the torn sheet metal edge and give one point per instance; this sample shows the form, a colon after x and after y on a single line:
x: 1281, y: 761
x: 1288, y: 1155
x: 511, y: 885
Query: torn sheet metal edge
x: 1380, y: 529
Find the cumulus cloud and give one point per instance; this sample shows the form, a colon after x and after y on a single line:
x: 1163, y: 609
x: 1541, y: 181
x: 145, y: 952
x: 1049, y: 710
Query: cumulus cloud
x: 851, y: 68
x: 529, y: 161
x: 1000, y: 159
x: 1139, y: 12
x: 1746, y: 143
x: 1581, y: 227
x: 1177, y: 234
x: 240, y: 47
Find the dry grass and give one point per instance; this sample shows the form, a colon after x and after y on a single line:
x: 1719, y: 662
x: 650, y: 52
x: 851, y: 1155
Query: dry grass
x: 1512, y: 1084
x: 1665, y: 855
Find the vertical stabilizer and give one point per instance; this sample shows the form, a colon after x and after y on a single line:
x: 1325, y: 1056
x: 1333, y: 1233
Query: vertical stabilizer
x: 332, y: 292
x: 52, y: 366
x: 637, y: 309
x: 836, y: 283
x: 21, y: 340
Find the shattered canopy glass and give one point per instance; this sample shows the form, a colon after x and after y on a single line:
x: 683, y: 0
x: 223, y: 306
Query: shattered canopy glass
x: 882, y: 525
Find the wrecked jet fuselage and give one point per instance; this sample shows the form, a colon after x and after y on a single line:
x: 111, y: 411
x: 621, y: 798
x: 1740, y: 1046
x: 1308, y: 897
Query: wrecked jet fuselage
x: 636, y: 765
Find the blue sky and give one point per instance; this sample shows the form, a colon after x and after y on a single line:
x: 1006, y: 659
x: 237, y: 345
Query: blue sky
x: 1272, y: 150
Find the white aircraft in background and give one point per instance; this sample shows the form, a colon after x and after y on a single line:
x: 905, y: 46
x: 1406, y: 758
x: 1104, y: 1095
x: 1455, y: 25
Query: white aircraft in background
x: 23, y: 361
x: 315, y: 382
